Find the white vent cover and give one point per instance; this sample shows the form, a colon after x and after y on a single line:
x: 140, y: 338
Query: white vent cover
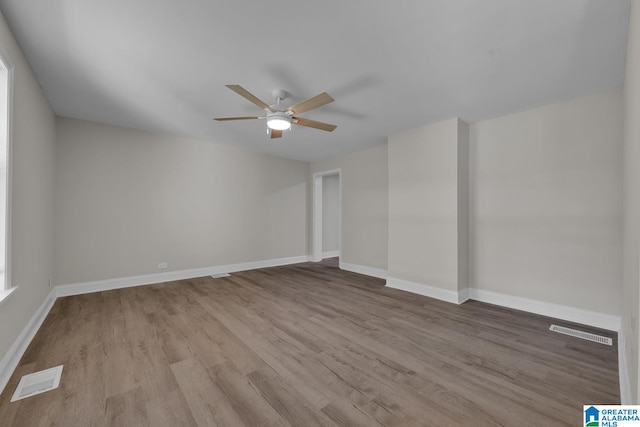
x: 582, y: 335
x: 37, y: 383
x: 217, y: 276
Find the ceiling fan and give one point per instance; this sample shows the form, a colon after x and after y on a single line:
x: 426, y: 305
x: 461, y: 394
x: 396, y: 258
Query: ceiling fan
x: 278, y: 119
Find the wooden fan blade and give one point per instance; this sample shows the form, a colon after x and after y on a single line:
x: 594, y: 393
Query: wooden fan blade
x: 222, y: 119
x: 313, y: 124
x: 276, y: 133
x: 311, y: 103
x: 249, y: 96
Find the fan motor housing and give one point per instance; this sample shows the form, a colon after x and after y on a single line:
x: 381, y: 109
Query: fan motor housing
x: 279, y: 94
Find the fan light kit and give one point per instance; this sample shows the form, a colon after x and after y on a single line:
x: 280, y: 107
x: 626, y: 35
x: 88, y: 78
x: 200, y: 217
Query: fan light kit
x: 280, y: 120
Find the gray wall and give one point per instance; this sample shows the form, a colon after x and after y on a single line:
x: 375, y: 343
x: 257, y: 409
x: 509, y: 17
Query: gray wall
x: 364, y: 205
x: 424, y: 238
x: 127, y: 200
x: 33, y: 129
x: 632, y: 200
x: 546, y: 189
x: 545, y: 202
x: 545, y: 205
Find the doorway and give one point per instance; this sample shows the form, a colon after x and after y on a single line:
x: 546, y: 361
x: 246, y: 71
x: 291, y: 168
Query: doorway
x: 327, y: 218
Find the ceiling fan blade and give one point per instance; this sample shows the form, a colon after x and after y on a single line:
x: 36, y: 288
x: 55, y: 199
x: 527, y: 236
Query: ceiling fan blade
x: 313, y: 124
x: 249, y: 96
x: 222, y: 119
x: 311, y: 103
x: 276, y: 133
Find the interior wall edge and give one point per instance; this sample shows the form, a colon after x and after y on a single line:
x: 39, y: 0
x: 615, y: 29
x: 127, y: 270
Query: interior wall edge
x: 330, y: 254
x: 364, y: 269
x: 425, y: 290
x: 149, y: 279
x: 563, y: 312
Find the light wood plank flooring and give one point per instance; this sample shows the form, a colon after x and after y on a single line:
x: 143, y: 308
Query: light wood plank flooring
x: 304, y: 345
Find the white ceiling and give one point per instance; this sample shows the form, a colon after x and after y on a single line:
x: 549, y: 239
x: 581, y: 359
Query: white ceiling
x: 161, y: 65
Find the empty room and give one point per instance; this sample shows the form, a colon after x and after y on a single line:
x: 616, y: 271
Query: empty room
x: 414, y: 213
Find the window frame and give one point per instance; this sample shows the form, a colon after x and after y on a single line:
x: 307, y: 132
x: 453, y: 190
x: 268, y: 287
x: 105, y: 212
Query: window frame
x: 7, y: 287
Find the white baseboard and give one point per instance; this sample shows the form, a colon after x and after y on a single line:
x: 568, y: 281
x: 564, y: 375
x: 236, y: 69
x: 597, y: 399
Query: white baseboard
x: 605, y: 321
x: 330, y: 254
x: 422, y: 289
x: 571, y: 314
x: 148, y: 279
x: 623, y: 371
x: 564, y: 312
x: 10, y: 361
x: 464, y: 295
x: 363, y: 269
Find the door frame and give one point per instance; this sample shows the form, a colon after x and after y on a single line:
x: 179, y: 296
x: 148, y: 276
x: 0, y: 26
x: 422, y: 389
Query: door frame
x: 316, y: 238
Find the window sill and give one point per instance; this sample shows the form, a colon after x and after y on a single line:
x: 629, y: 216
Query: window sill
x: 4, y: 295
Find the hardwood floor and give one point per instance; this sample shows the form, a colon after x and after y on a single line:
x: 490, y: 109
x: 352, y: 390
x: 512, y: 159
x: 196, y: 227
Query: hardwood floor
x: 304, y: 345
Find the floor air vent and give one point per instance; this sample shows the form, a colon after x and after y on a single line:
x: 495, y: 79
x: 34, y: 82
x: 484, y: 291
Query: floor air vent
x: 37, y: 383
x: 217, y: 276
x: 582, y: 335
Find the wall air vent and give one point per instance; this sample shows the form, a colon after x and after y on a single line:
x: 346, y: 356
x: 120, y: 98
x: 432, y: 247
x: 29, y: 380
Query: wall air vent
x: 37, y: 383
x: 582, y: 335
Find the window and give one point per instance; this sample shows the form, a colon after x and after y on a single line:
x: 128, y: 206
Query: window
x: 5, y: 192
